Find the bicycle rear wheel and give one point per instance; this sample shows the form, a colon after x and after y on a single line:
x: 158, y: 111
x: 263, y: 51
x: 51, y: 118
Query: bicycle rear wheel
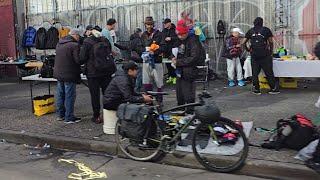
x: 219, y: 154
x: 137, y: 150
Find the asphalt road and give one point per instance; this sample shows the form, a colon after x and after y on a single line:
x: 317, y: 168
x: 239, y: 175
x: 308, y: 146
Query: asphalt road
x: 20, y: 162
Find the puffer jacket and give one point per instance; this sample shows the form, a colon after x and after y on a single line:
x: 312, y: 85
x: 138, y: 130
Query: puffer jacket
x: 52, y: 38
x: 67, y: 63
x: 29, y: 37
x: 41, y: 38
x: 120, y: 90
x: 191, y: 54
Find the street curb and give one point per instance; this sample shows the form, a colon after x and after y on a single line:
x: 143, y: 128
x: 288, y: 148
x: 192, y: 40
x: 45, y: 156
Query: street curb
x: 258, y: 168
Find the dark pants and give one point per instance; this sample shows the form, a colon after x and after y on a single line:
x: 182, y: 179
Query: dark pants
x: 95, y: 85
x: 266, y: 64
x: 171, y: 70
x: 186, y: 93
x: 316, y: 154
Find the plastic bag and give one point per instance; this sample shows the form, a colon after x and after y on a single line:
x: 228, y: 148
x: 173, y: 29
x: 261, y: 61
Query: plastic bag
x: 307, y: 152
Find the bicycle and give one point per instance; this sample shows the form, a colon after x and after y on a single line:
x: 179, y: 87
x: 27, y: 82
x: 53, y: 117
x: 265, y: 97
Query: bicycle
x: 168, y: 135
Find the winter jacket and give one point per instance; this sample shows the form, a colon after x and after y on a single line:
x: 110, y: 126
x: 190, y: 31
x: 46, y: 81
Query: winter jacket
x: 136, y: 47
x: 41, y: 38
x: 148, y: 39
x: 52, y: 38
x: 29, y: 37
x: 87, y: 56
x: 168, y: 45
x: 67, y: 64
x: 231, y: 51
x: 191, y: 54
x: 120, y: 90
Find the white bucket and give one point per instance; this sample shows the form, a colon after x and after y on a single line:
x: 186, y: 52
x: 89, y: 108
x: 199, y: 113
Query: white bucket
x: 109, y: 121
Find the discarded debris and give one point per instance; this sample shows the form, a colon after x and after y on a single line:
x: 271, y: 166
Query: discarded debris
x: 86, y: 172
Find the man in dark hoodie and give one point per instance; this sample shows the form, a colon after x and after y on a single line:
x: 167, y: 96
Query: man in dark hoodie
x: 261, y: 49
x: 67, y: 72
x: 121, y: 88
x: 137, y: 48
x: 169, y: 39
x: 97, y: 79
x: 190, y: 54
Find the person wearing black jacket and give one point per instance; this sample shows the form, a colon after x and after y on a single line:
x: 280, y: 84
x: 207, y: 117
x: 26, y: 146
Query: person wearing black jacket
x: 97, y: 80
x: 190, y: 54
x: 67, y: 72
x: 153, y: 69
x: 137, y: 48
x: 169, y: 39
x: 121, y: 88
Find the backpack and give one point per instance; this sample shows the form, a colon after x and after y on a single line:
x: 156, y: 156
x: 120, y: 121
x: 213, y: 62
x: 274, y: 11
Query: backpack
x: 136, y: 121
x: 302, y: 133
x: 259, y: 44
x: 221, y: 28
x: 103, y: 59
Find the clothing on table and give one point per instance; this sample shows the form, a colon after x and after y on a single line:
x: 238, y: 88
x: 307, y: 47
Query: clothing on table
x: 65, y: 100
x: 232, y: 66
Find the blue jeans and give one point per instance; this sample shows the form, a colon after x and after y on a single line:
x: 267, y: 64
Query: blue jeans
x: 65, y: 99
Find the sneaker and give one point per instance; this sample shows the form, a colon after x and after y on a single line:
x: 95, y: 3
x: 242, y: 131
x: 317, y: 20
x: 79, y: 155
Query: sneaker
x: 256, y: 91
x: 60, y: 119
x: 75, y: 120
x: 174, y: 81
x: 313, y: 165
x: 231, y: 84
x: 274, y: 91
x: 241, y: 83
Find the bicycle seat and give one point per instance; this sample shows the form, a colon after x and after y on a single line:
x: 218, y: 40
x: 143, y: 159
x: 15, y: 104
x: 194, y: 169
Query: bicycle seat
x: 153, y: 93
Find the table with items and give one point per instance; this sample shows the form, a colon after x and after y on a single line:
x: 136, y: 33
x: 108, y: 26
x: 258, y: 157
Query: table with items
x: 36, y: 78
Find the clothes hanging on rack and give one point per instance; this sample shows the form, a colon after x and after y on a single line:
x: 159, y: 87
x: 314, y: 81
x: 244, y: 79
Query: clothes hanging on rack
x: 40, y: 41
x: 63, y: 32
x: 29, y: 37
x: 52, y: 38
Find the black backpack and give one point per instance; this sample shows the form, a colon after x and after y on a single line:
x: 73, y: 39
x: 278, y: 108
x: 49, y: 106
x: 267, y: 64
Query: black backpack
x: 103, y: 59
x: 221, y: 28
x: 259, y: 44
x: 136, y: 121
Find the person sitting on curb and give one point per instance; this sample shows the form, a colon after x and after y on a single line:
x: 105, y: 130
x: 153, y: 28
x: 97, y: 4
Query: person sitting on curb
x: 121, y: 88
x: 232, y: 53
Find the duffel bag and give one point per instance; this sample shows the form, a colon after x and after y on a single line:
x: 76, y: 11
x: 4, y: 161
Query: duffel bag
x: 135, y: 120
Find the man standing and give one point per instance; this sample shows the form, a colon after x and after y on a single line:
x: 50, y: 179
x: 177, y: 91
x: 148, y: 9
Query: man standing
x: 153, y: 69
x: 98, y: 78
x: 190, y: 54
x: 121, y: 89
x: 67, y: 72
x: 261, y: 39
x: 169, y: 39
x: 106, y: 32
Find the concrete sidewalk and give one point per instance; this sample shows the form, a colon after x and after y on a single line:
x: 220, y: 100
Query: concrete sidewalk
x: 18, y: 124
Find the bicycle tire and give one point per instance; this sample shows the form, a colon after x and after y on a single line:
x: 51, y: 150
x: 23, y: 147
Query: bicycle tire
x: 205, y: 162
x: 155, y: 156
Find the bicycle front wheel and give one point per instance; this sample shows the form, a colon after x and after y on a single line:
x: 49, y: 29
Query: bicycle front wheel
x: 136, y: 149
x: 219, y: 152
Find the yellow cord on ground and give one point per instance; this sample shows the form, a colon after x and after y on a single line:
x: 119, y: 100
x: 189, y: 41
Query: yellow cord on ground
x: 86, y: 172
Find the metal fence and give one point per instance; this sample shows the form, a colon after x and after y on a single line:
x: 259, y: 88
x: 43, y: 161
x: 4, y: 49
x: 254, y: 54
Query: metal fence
x: 131, y: 13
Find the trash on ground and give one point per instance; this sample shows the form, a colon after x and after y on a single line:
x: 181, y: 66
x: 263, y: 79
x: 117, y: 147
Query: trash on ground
x: 86, y: 172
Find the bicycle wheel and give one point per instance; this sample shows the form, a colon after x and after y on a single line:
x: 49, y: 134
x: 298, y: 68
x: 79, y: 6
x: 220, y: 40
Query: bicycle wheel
x: 216, y: 154
x: 138, y: 151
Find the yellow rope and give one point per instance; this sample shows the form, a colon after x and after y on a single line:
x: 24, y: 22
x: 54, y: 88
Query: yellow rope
x: 86, y: 172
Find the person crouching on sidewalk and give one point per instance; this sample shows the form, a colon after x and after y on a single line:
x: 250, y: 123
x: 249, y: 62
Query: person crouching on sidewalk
x: 232, y: 53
